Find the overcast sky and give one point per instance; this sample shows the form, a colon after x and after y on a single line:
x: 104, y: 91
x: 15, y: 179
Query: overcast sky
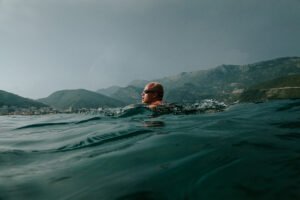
x: 50, y: 45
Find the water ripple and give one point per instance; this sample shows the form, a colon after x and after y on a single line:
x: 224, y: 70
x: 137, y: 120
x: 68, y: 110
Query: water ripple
x: 103, y: 139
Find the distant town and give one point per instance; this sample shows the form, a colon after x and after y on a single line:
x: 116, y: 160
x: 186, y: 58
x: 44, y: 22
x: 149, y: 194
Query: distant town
x: 13, y: 110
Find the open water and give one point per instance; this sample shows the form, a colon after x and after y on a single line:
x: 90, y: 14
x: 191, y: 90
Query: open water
x: 247, y: 151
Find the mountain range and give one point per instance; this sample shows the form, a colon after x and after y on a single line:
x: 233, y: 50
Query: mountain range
x: 273, y: 79
x: 9, y: 99
x: 79, y: 98
x: 224, y: 83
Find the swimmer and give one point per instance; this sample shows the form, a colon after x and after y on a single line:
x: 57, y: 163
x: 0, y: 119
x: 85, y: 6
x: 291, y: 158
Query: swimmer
x: 153, y: 94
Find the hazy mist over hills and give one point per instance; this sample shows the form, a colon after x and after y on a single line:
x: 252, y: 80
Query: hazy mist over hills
x: 225, y: 82
x: 273, y: 79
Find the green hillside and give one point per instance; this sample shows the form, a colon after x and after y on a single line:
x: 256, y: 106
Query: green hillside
x: 225, y: 82
x: 287, y: 87
x: 108, y: 91
x: 129, y: 94
x: 10, y: 99
x: 286, y: 81
x: 80, y: 98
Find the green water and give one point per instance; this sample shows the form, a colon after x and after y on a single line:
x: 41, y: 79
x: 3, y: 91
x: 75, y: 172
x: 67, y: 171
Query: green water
x: 248, y: 151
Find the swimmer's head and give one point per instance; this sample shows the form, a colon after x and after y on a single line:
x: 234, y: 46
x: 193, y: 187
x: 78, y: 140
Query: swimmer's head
x: 153, y: 94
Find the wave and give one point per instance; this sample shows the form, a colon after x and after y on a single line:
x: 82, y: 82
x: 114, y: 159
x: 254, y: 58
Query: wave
x: 142, y: 110
x: 59, y: 123
x: 88, y: 120
x: 44, y: 124
x: 204, y: 106
x: 100, y: 140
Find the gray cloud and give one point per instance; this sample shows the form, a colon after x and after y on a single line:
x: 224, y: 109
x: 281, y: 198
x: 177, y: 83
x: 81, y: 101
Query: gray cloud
x: 49, y: 45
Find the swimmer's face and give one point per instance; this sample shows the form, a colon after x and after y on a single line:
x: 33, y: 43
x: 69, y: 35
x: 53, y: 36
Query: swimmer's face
x: 148, y: 95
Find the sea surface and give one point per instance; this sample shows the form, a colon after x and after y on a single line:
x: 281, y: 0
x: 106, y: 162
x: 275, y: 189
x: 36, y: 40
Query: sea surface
x: 247, y: 151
